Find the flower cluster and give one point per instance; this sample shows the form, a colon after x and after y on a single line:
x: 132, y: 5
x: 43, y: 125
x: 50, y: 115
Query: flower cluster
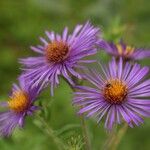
x: 117, y: 92
x: 61, y: 55
x: 127, y: 52
x: 19, y: 105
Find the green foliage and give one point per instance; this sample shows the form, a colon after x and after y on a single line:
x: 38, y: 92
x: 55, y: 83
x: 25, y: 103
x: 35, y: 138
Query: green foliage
x: 75, y: 143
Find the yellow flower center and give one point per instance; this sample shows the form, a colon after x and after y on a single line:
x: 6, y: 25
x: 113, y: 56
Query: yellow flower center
x: 127, y: 52
x: 115, y: 91
x: 57, y: 51
x: 19, y: 101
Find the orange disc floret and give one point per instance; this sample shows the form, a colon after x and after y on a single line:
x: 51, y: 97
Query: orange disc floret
x: 19, y: 101
x: 127, y: 52
x: 56, y: 51
x: 115, y: 91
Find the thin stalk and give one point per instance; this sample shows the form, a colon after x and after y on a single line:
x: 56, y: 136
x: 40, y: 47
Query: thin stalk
x: 119, y: 136
x: 115, y: 138
x: 59, y: 143
x: 110, y: 139
x: 85, y: 134
x: 87, y: 143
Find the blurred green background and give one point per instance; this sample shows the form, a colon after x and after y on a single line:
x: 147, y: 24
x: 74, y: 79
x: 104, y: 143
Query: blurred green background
x: 22, y: 22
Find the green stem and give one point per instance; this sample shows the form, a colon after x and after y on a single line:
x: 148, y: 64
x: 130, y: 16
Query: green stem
x: 119, y: 136
x: 85, y: 134
x: 83, y: 122
x: 59, y: 143
x: 110, y: 139
x: 115, y: 138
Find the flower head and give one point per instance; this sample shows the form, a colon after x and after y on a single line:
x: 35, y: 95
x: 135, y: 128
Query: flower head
x: 124, y: 51
x: 61, y: 55
x: 19, y: 105
x: 119, y: 93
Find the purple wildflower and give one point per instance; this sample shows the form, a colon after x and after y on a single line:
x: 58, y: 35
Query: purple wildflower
x: 19, y: 105
x: 119, y: 93
x: 61, y: 55
x: 124, y: 51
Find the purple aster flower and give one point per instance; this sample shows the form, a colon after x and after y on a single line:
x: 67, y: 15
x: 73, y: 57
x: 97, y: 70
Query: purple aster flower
x: 124, y: 51
x: 61, y: 55
x: 19, y: 105
x: 119, y: 92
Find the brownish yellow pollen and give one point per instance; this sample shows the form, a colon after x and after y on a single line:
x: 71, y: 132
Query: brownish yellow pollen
x: 57, y: 51
x: 127, y: 52
x: 18, y: 102
x: 115, y: 91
